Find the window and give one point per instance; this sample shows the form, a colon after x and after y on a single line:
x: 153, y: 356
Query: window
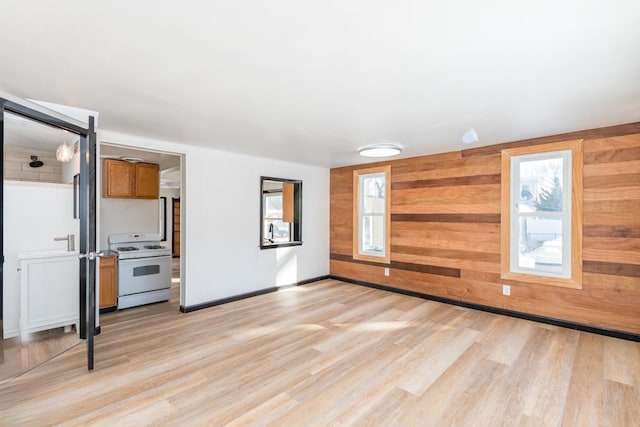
x: 274, y: 228
x: 280, y: 212
x: 541, y: 214
x: 371, y: 201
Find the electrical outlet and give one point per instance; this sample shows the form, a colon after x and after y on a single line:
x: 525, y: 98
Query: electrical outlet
x: 506, y: 290
x: 386, y: 271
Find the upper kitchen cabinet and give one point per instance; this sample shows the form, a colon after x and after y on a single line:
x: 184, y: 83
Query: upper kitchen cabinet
x: 118, y: 176
x: 147, y: 181
x: 127, y: 180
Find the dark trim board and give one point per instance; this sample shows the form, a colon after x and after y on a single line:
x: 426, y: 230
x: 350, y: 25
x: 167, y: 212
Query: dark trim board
x: 190, y: 308
x: 108, y: 309
x: 520, y: 315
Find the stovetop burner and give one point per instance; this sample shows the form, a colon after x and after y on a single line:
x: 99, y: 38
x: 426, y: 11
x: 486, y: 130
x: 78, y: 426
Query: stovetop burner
x: 127, y: 248
x: 138, y: 245
x: 154, y: 247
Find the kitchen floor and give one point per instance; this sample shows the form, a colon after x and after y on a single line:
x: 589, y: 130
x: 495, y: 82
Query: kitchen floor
x: 145, y: 310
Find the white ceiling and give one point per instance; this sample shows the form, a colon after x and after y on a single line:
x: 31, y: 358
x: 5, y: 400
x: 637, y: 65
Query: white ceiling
x: 312, y: 82
x: 26, y: 133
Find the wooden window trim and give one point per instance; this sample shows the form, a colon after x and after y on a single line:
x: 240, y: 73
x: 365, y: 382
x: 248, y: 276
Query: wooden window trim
x: 287, y: 202
x: 575, y: 281
x: 386, y: 259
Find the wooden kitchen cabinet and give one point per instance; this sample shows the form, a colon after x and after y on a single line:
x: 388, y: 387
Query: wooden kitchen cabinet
x: 118, y: 176
x: 147, y: 181
x: 108, y: 282
x: 127, y: 180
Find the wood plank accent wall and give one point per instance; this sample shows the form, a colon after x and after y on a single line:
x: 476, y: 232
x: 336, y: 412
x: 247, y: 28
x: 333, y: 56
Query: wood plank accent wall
x: 445, y: 231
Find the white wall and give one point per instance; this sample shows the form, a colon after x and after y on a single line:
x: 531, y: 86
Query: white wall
x: 126, y: 216
x: 34, y: 213
x: 221, y: 233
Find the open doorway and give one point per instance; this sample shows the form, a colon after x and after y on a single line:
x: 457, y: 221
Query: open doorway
x: 40, y: 292
x: 152, y: 218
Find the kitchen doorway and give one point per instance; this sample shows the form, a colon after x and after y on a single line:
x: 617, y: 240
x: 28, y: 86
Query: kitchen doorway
x: 152, y: 216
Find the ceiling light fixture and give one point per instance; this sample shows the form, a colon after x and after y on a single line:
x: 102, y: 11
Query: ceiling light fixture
x: 380, y: 150
x: 470, y: 136
x: 64, y: 153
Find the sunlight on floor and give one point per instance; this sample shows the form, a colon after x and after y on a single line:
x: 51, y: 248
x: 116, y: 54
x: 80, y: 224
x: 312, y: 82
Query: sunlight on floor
x: 378, y: 326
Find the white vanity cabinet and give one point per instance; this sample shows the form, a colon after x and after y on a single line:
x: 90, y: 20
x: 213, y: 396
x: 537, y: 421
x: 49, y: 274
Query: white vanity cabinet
x: 49, y: 290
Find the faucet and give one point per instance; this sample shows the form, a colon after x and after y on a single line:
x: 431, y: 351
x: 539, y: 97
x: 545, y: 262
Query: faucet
x: 71, y: 241
x: 271, y: 231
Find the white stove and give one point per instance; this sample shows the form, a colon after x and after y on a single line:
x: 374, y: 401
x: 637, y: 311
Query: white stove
x: 144, y: 268
x: 138, y: 245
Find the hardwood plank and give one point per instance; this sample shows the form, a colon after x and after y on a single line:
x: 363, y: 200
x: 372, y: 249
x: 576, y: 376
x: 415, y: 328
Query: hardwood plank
x: 613, y: 193
x: 507, y: 351
x: 611, y: 231
x: 450, y: 344
x: 621, y: 362
x: 612, y: 268
x: 450, y: 207
x: 447, y: 253
x: 612, y: 207
x: 611, y: 181
x: 608, y: 283
x: 554, y: 373
x: 611, y: 156
x: 613, y: 143
x: 589, y: 358
x: 477, y: 243
x: 616, y: 255
x: 447, y: 194
x: 449, y: 169
x: 463, y: 218
x: 611, y: 217
x: 447, y: 182
x: 486, y: 228
x: 612, y: 169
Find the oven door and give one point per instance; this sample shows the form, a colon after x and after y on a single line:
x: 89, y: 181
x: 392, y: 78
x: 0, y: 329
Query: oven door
x: 143, y: 275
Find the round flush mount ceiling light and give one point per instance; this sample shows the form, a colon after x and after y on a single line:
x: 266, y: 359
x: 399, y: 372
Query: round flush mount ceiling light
x: 380, y: 150
x: 470, y: 136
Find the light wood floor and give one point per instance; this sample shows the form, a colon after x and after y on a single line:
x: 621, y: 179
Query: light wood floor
x: 21, y: 353
x: 331, y: 353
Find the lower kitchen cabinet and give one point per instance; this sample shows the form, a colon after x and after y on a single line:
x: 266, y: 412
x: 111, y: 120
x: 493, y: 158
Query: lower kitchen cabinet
x: 108, y: 282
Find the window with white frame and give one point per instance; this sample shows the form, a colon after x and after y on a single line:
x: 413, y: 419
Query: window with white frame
x: 371, y: 214
x: 542, y: 214
x: 275, y: 230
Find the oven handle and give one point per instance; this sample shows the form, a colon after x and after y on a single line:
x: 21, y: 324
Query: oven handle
x: 145, y: 259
